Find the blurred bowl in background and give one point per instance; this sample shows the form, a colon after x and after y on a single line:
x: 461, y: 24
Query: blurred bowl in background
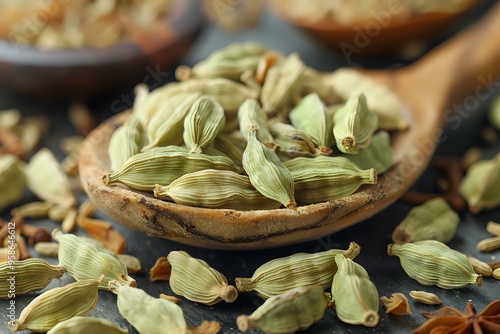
x: 381, y: 30
x: 77, y: 73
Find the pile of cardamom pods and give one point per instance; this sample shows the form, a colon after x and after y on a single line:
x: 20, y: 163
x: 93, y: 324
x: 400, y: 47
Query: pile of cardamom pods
x: 248, y: 128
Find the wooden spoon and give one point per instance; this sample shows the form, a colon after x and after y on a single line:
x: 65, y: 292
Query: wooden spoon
x: 429, y: 88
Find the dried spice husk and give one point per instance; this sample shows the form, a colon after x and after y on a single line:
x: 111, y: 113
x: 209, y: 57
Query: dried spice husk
x: 47, y: 180
x: 310, y: 115
x: 216, y: 189
x: 160, y: 165
x: 294, y: 310
x: 126, y: 142
x: 299, y: 270
x: 431, y: 262
x: 326, y: 178
x: 493, y: 228
x: 433, y: 220
x: 479, y: 186
x: 57, y: 213
x: 161, y: 270
x: 267, y: 173
x: 488, y: 244
x: 103, y: 232
x: 351, y: 280
x: 84, y: 325
x: 12, y: 180
x: 197, y: 281
x: 49, y: 249
x: 377, y: 155
x: 30, y: 275
x: 480, y: 267
x: 140, y: 309
x: 58, y: 304
x: 397, y: 304
x: 425, y: 297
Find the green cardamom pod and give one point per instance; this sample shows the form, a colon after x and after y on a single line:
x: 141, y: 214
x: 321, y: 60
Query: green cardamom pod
x: 126, y: 141
x: 140, y: 309
x: 282, y: 83
x: 355, y: 296
x: 433, y: 220
x: 431, y: 262
x: 160, y: 165
x: 250, y: 114
x: 292, y: 311
x: 167, y: 124
x: 480, y: 185
x: 267, y: 173
x: 354, y: 125
x: 215, y: 189
x: 85, y: 325
x: 58, y: 304
x: 292, y: 141
x: 299, y: 270
x: 202, y: 124
x: 377, y: 155
x: 310, y: 116
x: 232, y: 145
x: 84, y: 260
x: 325, y: 178
x: 197, y: 281
x: 12, y: 180
x: 28, y: 275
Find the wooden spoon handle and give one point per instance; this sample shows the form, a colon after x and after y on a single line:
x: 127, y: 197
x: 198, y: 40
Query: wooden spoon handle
x: 463, y: 70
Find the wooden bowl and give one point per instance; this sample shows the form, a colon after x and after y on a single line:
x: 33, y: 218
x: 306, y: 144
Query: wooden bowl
x: 77, y: 73
x: 375, y: 36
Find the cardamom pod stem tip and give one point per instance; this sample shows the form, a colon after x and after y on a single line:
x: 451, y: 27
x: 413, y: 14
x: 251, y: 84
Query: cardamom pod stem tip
x: 229, y: 294
x: 479, y: 280
x: 106, y: 179
x: 371, y: 319
x: 243, y: 323
x: 389, y: 249
x: 183, y: 73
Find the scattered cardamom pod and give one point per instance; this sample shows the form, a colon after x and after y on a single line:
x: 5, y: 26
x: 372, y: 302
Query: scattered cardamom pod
x: 294, y: 310
x: 433, y: 220
x: 493, y: 228
x: 325, y: 178
x: 488, y: 244
x: 425, y: 297
x: 431, y: 262
x: 299, y: 270
x: 12, y: 180
x: 58, y: 304
x: 34, y: 210
x: 49, y: 249
x: 69, y: 222
x: 29, y: 275
x: 310, y: 116
x: 85, y: 325
x: 86, y: 209
x: 267, y: 173
x: 397, y: 304
x: 378, y: 155
x: 351, y: 280
x: 250, y: 114
x: 354, y: 125
x: 479, y: 186
x: 103, y: 232
x: 480, y: 267
x: 139, y: 309
x: 83, y: 259
x: 496, y: 274
x: 197, y: 281
x: 57, y: 213
x: 125, y: 142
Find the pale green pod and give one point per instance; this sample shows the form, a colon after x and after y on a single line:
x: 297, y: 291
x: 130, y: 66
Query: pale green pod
x: 381, y: 100
x: 312, y: 82
x: 58, y: 304
x: 30, y: 275
x: 480, y: 185
x: 229, y: 62
x: 494, y: 113
x: 377, y: 155
x: 354, y: 125
x: 203, y: 123
x: 433, y: 220
x: 160, y: 165
x: 216, y: 189
x: 85, y: 325
x: 231, y: 144
x: 267, y: 173
x: 431, y: 262
x: 299, y: 270
x: 355, y: 296
x: 84, y: 260
x: 292, y: 311
x: 310, y: 115
x: 167, y: 124
x: 126, y: 141
x: 147, y: 314
x: 12, y: 180
x: 250, y: 114
x: 197, y: 281
x: 147, y: 104
x: 283, y: 82
x: 325, y: 178
x: 292, y: 141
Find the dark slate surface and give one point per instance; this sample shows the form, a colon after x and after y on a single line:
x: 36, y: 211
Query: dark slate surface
x: 373, y: 234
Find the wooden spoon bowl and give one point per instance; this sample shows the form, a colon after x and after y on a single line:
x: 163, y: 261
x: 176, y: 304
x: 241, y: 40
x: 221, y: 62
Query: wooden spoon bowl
x: 428, y: 88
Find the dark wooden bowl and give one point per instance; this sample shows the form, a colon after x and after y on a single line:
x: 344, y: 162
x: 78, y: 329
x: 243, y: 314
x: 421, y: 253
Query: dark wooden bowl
x: 77, y: 73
